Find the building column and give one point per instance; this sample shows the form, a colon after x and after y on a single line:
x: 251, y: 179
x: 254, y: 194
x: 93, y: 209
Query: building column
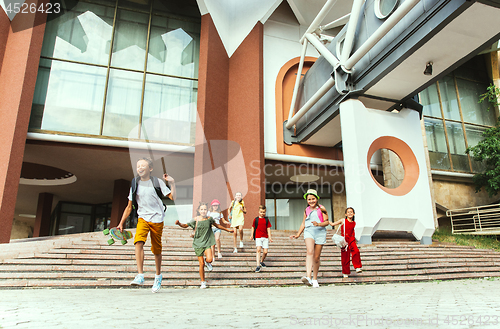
x: 43, y: 212
x: 120, y: 200
x: 20, y: 48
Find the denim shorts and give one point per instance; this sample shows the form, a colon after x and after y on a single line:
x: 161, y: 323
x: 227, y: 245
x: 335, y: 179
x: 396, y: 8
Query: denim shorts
x: 316, y: 233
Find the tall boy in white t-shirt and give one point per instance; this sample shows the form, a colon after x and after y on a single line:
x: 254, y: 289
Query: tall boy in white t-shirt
x: 150, y: 214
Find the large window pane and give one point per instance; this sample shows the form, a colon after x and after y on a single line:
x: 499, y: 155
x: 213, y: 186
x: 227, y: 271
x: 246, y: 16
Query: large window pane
x: 472, y: 110
x: 430, y: 100
x: 123, y: 103
x: 474, y: 136
x: 82, y: 34
x: 449, y: 98
x: 129, y: 46
x: 68, y: 97
x: 169, y: 112
x: 174, y: 47
x: 436, y: 142
x: 457, y: 146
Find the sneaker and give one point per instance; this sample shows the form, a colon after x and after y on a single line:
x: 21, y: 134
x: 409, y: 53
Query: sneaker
x: 306, y: 281
x: 345, y: 275
x: 138, y: 281
x: 359, y: 270
x: 235, y: 251
x: 257, y: 269
x: 241, y: 244
x: 209, y: 266
x: 315, y: 283
x: 262, y: 265
x: 203, y: 285
x: 157, y: 284
x: 219, y: 255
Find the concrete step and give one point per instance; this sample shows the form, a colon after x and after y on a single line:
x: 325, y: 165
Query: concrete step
x: 85, y: 260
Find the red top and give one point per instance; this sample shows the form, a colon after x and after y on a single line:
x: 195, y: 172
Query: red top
x: 349, y: 231
x: 261, y: 231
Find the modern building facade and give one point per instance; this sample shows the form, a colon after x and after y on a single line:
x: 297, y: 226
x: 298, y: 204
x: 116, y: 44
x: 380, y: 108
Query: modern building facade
x: 203, y: 88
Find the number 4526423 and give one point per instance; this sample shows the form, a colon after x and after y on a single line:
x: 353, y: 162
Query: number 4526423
x: 33, y: 8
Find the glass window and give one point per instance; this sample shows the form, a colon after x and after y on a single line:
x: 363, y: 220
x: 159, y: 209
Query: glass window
x: 122, y: 104
x: 174, y: 47
x: 430, y: 100
x: 456, y: 140
x: 169, y: 112
x: 449, y: 98
x: 436, y: 142
x: 474, y: 136
x: 82, y: 34
x: 472, y: 110
x: 68, y: 97
x: 129, y: 46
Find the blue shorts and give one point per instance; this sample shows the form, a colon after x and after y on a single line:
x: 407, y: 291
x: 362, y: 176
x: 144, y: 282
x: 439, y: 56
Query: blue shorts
x: 316, y: 233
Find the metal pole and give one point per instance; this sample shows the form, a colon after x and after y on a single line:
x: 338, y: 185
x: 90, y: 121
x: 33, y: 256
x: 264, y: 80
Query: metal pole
x: 297, y: 80
x: 321, y: 15
x: 351, y: 30
x: 335, y: 23
x: 307, y: 106
x: 321, y: 48
x: 379, y: 33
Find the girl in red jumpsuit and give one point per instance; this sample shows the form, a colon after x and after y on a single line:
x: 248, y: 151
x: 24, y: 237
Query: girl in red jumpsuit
x: 348, y: 224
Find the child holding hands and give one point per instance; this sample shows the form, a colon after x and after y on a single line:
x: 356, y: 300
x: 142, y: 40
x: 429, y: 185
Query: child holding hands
x: 203, y: 238
x: 261, y: 233
x: 347, y: 231
x: 314, y: 227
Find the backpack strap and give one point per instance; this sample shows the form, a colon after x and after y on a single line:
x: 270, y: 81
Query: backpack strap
x: 255, y: 224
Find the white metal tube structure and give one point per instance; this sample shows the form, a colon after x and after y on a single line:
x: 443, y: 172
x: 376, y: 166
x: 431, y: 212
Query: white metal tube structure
x: 321, y: 15
x: 379, y: 33
x: 307, y: 106
x: 297, y: 80
x: 340, y: 21
x: 321, y: 48
x: 351, y: 30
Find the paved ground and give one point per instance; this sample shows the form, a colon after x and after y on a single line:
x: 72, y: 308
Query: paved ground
x: 445, y: 304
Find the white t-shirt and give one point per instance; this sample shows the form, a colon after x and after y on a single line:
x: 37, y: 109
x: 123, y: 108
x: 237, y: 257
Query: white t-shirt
x: 215, y: 215
x: 150, y: 206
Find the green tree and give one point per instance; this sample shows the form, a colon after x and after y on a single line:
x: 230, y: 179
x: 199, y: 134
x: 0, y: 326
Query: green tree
x: 487, y: 151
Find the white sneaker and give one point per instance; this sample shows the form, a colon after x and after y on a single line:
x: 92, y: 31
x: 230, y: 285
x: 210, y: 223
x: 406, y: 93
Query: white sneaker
x: 345, y: 275
x: 235, y: 251
x: 203, y: 285
x: 219, y: 255
x: 315, y: 283
x: 359, y: 270
x: 209, y: 266
x: 241, y: 244
x: 307, y: 281
x: 157, y: 284
x: 138, y: 281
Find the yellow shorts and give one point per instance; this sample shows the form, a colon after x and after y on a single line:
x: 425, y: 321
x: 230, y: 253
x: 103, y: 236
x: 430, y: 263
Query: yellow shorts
x: 141, y: 234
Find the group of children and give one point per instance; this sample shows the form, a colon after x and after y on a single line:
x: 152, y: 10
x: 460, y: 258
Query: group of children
x: 145, y: 199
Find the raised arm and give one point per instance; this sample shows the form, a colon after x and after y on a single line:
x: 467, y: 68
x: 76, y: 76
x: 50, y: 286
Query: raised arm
x: 171, y: 183
x: 181, y: 224
x: 340, y: 221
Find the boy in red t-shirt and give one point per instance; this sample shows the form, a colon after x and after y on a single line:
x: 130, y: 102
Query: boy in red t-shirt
x: 261, y: 232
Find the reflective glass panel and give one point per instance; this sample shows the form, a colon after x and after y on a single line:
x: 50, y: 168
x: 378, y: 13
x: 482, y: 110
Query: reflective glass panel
x: 472, y: 110
x: 474, y: 136
x: 449, y: 98
x: 169, y: 112
x: 123, y: 103
x: 186, y: 8
x: 142, y: 5
x: 174, y: 47
x: 436, y: 142
x: 430, y: 100
x: 68, y: 97
x: 457, y: 146
x: 129, y: 46
x: 82, y: 34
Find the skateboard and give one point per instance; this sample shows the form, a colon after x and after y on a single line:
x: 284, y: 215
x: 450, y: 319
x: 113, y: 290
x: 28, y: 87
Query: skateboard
x: 115, y: 234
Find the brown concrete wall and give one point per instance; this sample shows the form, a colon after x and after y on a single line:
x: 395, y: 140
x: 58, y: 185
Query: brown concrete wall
x: 121, y: 189
x: 455, y: 195
x: 213, y: 80
x: 18, y: 71
x: 246, y: 114
x: 43, y: 212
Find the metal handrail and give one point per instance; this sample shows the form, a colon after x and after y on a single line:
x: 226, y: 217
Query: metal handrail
x: 475, y: 219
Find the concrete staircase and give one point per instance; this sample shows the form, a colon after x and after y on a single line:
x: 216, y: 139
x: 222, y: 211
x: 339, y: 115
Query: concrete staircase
x: 86, y: 261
